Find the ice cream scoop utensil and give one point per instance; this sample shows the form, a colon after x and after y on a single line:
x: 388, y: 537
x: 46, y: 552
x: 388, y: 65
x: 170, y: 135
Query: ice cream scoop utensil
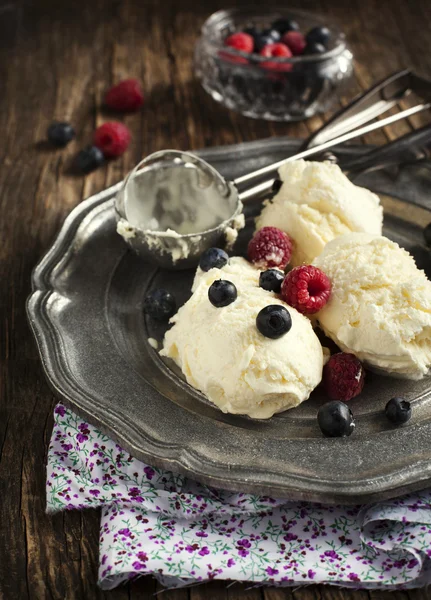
x: 173, y: 205
x: 372, y: 103
x: 409, y: 148
x: 264, y: 186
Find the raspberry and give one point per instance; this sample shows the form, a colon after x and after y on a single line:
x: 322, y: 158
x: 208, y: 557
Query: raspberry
x: 125, y: 96
x: 112, y: 138
x: 270, y: 247
x: 276, y: 51
x: 306, y: 288
x: 295, y: 41
x: 343, y: 376
x: 240, y: 41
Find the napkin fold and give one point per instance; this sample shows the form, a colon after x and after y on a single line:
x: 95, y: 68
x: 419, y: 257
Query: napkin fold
x: 183, y: 532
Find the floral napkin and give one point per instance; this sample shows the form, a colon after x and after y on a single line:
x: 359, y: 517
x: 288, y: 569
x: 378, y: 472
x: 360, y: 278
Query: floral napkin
x: 183, y: 532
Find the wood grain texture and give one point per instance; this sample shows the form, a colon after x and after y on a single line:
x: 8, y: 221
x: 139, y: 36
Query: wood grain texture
x: 56, y: 61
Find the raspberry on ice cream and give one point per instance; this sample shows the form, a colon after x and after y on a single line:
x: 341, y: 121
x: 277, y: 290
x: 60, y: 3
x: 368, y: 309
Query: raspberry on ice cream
x: 270, y: 247
x: 306, y: 288
x: 125, y: 96
x: 112, y: 138
x: 343, y: 376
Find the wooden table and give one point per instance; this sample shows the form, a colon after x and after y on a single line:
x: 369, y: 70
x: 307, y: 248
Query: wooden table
x: 56, y: 60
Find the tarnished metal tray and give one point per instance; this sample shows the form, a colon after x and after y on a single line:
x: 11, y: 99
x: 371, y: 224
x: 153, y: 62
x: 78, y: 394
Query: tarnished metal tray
x: 86, y: 314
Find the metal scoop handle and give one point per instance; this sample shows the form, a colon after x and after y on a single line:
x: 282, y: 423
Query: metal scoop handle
x: 409, y: 148
x: 247, y: 193
x: 375, y: 101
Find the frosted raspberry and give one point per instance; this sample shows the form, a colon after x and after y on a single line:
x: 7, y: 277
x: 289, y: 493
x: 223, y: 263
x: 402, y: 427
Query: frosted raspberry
x: 343, y: 376
x: 306, y: 288
x: 270, y: 247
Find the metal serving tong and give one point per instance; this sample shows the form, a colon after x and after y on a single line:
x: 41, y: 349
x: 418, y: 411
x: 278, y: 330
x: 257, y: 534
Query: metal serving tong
x: 173, y: 205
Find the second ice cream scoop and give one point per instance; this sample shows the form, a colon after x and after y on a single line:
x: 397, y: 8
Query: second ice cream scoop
x: 380, y: 307
x: 317, y: 203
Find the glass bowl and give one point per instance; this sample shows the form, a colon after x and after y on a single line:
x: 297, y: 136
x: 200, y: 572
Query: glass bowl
x: 279, y: 89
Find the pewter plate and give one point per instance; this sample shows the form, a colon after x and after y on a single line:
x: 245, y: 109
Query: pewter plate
x: 86, y: 314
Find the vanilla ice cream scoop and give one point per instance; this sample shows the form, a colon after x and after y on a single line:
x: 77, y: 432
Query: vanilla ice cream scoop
x: 316, y: 204
x: 380, y: 306
x: 222, y: 354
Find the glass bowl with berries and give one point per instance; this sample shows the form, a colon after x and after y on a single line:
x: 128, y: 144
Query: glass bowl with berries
x: 283, y: 65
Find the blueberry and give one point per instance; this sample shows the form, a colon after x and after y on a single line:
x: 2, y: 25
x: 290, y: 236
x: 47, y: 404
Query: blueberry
x: 314, y: 48
x: 273, y: 321
x: 160, y: 305
x: 427, y: 234
x: 213, y: 258
x: 263, y: 40
x: 335, y: 419
x: 271, y: 280
x: 318, y: 35
x: 89, y: 159
x: 60, y: 134
x: 285, y: 25
x: 273, y: 34
x: 254, y: 34
x: 222, y: 293
x: 398, y: 411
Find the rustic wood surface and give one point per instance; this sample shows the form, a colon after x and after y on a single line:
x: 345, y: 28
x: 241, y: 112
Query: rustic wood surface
x: 56, y: 60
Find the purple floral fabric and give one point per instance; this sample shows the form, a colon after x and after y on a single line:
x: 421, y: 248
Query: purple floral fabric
x: 154, y: 521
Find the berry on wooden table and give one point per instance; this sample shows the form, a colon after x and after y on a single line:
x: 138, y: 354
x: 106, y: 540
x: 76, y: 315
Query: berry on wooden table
x: 112, y: 138
x: 89, y: 159
x: 126, y: 96
x: 60, y: 133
